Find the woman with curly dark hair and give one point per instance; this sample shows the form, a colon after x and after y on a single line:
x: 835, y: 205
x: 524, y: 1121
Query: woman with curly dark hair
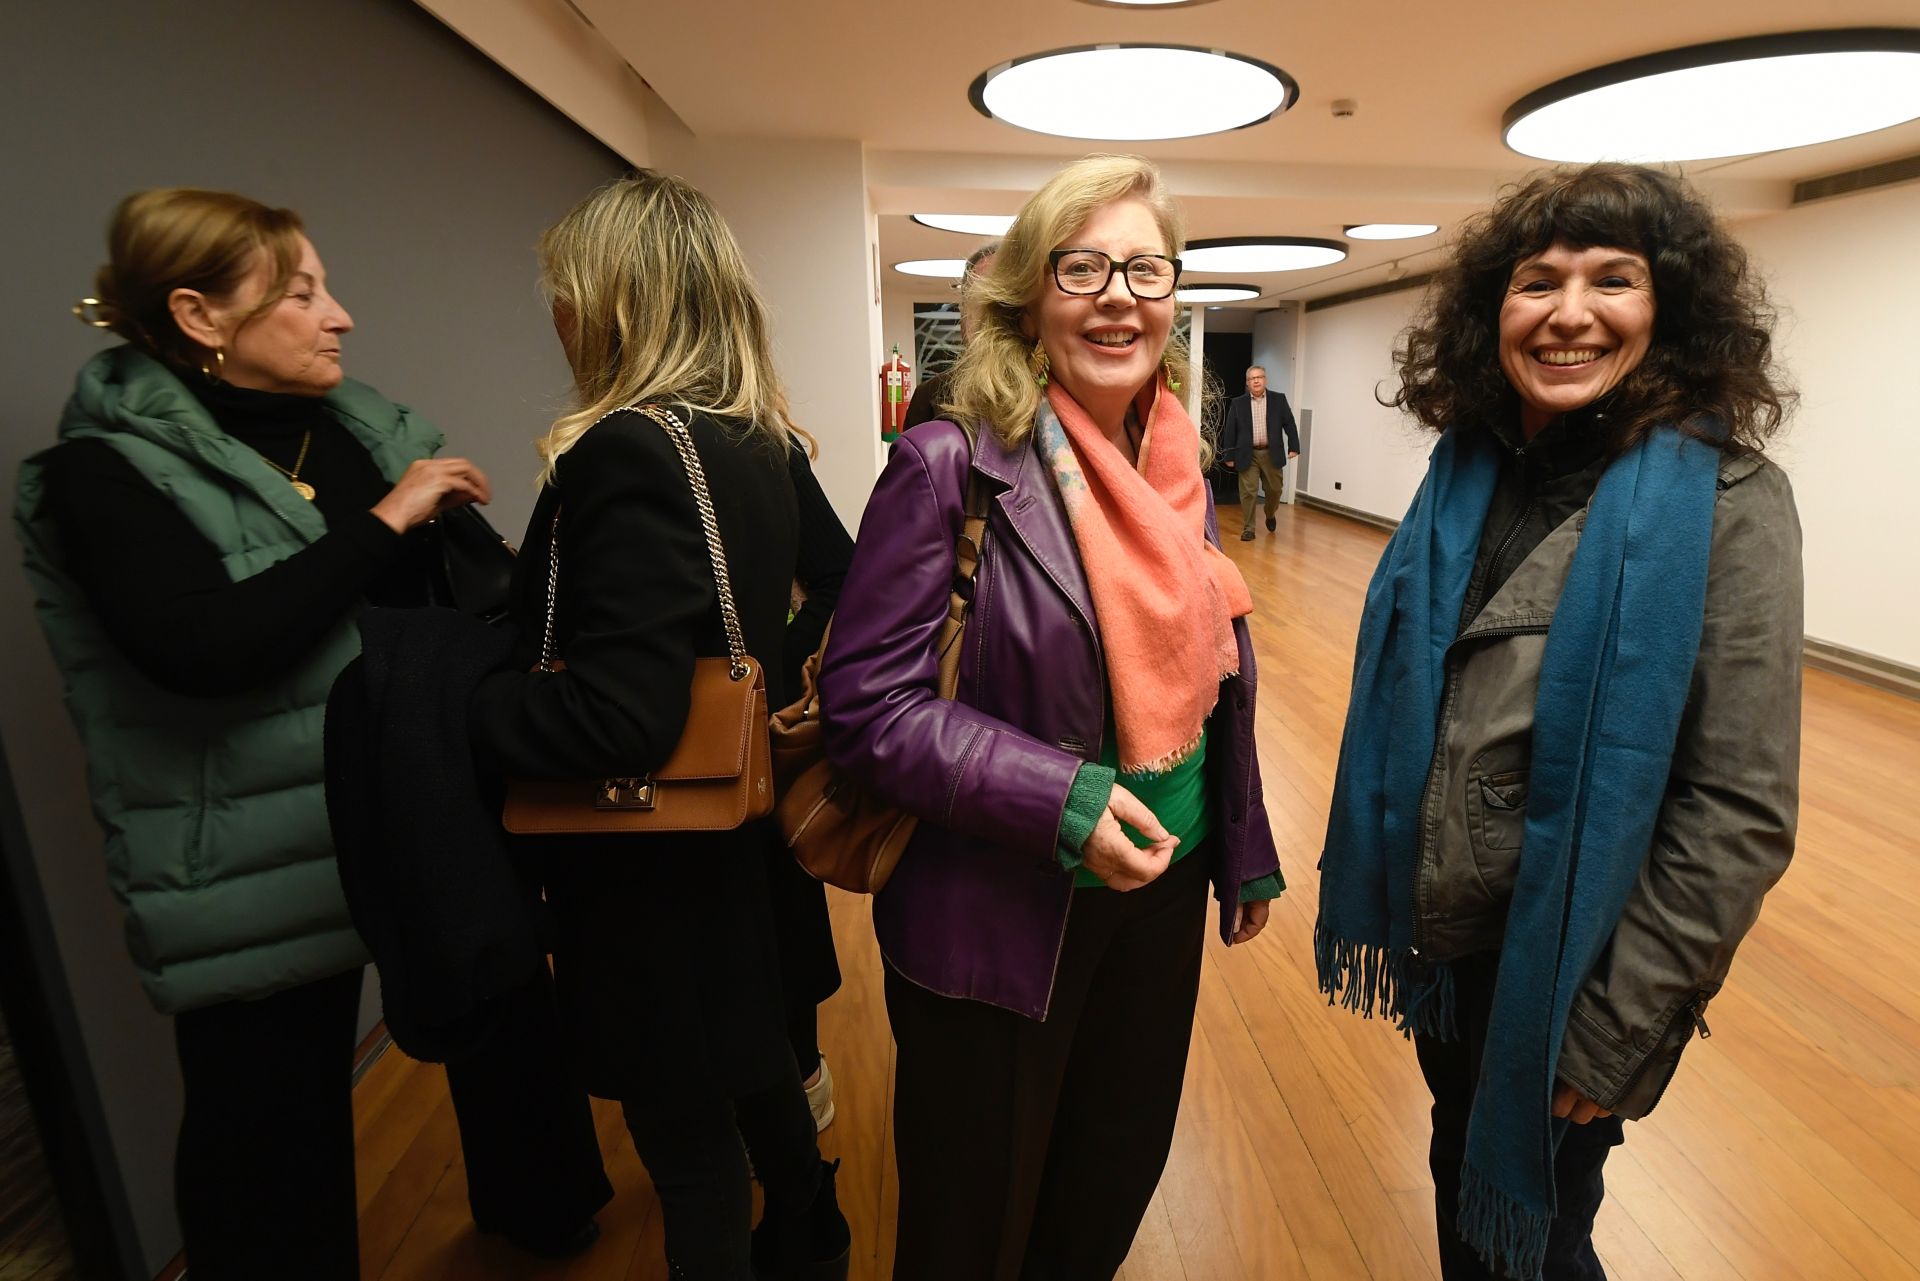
x: 1569, y: 773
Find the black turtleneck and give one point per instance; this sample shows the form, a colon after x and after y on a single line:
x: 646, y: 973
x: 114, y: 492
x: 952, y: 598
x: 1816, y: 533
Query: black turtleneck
x: 158, y: 584
x: 1542, y: 482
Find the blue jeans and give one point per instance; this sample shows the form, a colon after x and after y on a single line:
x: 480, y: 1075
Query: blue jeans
x: 1452, y: 1069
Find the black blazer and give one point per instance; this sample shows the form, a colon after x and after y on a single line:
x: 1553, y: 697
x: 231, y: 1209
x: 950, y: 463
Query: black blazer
x: 826, y: 550
x: 1236, y: 438
x: 636, y: 600
x: 665, y: 968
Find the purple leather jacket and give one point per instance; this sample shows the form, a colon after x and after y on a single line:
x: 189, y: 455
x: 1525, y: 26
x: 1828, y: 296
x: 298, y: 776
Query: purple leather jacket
x: 978, y: 905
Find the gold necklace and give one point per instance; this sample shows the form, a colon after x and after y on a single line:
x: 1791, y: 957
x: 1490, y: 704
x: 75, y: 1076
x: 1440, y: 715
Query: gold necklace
x: 300, y: 487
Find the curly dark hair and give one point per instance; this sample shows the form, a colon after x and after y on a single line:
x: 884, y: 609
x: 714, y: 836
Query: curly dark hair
x: 1711, y: 356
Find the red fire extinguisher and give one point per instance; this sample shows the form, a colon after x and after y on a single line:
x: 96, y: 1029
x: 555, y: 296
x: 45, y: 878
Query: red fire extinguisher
x: 896, y: 389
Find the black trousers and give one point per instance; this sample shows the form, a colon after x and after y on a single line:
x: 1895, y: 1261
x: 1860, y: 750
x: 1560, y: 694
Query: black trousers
x: 1452, y: 1069
x: 1029, y: 1151
x: 263, y: 1173
x: 671, y: 993
x: 692, y: 1148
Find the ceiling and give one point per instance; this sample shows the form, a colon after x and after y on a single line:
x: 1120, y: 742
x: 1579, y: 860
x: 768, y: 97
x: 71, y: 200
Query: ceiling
x: 1431, y: 82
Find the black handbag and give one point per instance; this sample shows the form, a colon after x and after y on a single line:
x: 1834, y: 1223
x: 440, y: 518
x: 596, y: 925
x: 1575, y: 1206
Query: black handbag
x: 477, y: 564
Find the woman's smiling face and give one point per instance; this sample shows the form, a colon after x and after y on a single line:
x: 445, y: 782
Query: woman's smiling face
x: 1573, y: 324
x: 1106, y: 347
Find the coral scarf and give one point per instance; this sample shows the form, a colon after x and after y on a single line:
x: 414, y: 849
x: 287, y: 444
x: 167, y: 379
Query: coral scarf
x: 1163, y: 595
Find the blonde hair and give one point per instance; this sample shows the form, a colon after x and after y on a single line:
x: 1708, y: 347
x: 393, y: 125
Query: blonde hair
x: 659, y: 308
x: 993, y: 381
x: 184, y: 238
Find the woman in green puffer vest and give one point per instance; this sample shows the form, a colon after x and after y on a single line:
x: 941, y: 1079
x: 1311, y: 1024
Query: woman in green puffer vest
x: 220, y: 506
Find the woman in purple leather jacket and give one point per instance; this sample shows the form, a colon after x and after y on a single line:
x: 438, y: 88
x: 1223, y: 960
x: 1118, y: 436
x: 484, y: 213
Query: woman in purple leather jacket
x: 1096, y: 772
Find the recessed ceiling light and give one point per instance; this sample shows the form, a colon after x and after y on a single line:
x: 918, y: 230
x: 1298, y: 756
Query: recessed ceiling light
x: 1071, y: 93
x: 970, y: 224
x: 1216, y: 293
x: 1392, y: 230
x: 944, y: 268
x: 1260, y: 253
x: 1729, y: 98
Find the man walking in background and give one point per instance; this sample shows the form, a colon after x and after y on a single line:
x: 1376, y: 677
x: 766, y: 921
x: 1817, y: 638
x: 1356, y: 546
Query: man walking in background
x: 1245, y: 450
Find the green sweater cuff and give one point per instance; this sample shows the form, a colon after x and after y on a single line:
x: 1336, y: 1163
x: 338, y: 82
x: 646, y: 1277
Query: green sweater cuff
x: 1092, y: 787
x: 1268, y: 886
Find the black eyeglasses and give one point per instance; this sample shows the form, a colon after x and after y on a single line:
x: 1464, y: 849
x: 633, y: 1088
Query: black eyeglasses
x: 1149, y: 277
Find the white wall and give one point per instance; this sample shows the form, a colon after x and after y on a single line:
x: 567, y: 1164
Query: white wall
x: 1845, y: 272
x: 547, y: 44
x: 1276, y: 335
x: 800, y: 211
x: 1374, y: 455
x: 896, y: 326
x: 1230, y: 320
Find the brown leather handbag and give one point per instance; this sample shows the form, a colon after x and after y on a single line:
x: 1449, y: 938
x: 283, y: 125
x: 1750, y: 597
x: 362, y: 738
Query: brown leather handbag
x: 719, y: 775
x: 839, y: 830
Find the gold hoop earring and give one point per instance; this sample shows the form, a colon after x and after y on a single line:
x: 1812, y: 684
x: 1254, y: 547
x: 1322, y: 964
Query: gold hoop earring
x: 1173, y: 379
x: 91, y: 312
x: 219, y: 371
x: 1040, y: 366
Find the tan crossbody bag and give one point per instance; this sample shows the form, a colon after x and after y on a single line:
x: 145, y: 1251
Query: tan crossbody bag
x: 719, y: 774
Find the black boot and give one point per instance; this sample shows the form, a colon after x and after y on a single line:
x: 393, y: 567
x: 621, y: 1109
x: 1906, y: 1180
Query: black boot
x: 813, y: 1245
x: 551, y: 1245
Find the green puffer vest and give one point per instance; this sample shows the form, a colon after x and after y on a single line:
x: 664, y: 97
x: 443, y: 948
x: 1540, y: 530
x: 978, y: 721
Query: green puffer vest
x: 214, y: 810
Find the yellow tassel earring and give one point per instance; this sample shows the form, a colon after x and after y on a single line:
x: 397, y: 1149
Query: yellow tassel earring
x: 1173, y: 379
x: 1040, y: 366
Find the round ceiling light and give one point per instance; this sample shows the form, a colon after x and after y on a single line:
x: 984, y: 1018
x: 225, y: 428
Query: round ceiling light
x: 968, y: 224
x: 1392, y: 230
x: 1216, y: 293
x: 942, y: 268
x: 1260, y: 253
x: 1070, y: 93
x: 1728, y: 98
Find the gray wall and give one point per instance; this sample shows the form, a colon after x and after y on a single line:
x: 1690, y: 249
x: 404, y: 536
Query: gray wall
x: 424, y: 173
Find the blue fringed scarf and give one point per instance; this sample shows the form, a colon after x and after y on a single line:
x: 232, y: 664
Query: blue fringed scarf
x: 1613, y: 682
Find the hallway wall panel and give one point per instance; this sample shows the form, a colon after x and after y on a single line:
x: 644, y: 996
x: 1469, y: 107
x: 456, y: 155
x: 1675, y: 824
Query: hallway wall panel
x: 424, y: 173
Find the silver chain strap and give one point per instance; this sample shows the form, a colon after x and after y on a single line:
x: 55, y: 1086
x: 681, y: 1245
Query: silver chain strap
x: 553, y: 590
x: 723, y: 583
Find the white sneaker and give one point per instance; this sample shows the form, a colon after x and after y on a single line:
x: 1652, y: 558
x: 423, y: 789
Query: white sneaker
x: 820, y: 1098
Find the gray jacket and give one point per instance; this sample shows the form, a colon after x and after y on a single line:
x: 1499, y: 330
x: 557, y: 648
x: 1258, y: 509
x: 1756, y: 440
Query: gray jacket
x: 1726, y: 828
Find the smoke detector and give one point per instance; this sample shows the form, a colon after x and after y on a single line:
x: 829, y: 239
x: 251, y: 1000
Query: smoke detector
x: 1343, y: 108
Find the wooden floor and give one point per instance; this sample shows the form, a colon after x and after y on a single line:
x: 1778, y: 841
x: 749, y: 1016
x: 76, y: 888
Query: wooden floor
x: 33, y: 1239
x: 1788, y: 1148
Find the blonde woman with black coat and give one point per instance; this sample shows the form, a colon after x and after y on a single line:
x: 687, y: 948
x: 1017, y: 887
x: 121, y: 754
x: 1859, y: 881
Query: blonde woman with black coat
x: 664, y: 952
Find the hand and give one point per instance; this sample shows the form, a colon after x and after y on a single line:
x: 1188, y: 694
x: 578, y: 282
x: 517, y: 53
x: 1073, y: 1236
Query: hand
x: 1575, y: 1106
x: 1249, y: 919
x: 1229, y: 464
x: 1110, y: 853
x: 429, y: 487
x: 1293, y: 453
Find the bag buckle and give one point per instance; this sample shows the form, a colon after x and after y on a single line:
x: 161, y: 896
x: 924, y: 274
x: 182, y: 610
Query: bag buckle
x: 625, y: 794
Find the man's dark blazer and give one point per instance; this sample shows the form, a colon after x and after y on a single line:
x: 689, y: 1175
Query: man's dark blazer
x: 1236, y: 438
